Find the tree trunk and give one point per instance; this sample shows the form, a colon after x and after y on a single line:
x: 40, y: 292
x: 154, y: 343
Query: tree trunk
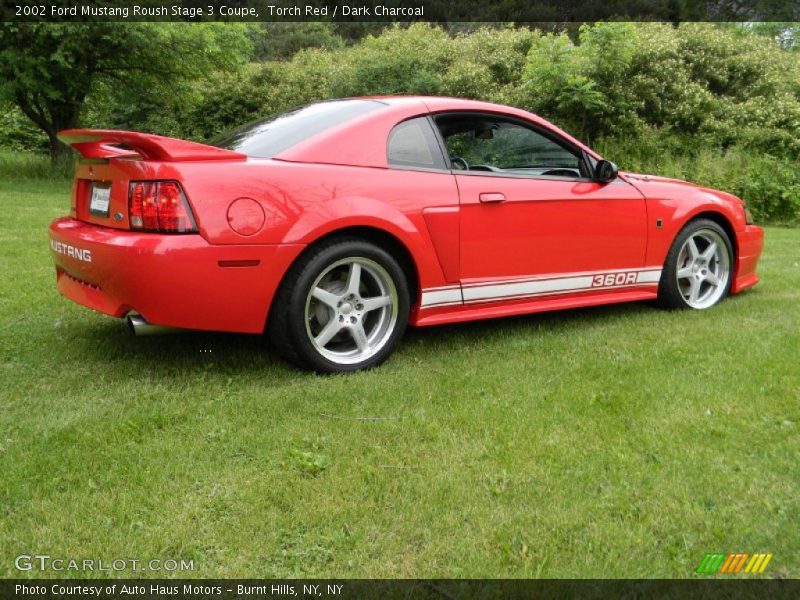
x: 63, y: 116
x: 60, y: 154
x: 51, y: 121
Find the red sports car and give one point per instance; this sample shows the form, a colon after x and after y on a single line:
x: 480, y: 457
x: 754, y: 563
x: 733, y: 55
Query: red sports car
x: 333, y: 226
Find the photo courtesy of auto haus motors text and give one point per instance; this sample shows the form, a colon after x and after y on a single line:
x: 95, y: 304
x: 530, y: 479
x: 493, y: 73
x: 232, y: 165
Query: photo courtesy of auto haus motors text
x: 167, y: 590
x: 399, y: 299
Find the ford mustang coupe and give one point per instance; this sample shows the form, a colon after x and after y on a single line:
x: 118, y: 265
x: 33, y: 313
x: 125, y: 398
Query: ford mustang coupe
x: 333, y: 226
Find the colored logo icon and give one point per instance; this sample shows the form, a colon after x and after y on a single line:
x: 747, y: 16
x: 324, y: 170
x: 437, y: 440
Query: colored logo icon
x: 733, y: 563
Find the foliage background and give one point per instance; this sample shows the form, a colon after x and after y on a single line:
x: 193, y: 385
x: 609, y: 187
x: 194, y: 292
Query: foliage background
x: 610, y: 442
x: 718, y: 104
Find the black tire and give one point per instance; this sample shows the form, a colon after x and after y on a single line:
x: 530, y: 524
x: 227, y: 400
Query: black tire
x: 295, y: 312
x: 674, y: 293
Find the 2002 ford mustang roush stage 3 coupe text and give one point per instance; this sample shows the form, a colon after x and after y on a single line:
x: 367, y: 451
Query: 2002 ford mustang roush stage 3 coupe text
x: 333, y: 226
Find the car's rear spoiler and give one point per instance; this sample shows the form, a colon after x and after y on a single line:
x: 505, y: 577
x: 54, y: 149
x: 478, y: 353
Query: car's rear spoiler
x: 107, y: 143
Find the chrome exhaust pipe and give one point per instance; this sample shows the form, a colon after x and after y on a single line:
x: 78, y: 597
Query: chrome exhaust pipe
x: 139, y: 326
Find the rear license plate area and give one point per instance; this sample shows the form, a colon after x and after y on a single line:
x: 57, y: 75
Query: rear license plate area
x: 100, y: 198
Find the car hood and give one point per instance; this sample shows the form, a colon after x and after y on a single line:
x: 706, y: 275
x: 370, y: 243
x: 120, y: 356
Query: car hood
x: 643, y: 183
x: 655, y: 178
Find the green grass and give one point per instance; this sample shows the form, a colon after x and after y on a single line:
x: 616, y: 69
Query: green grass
x: 620, y: 441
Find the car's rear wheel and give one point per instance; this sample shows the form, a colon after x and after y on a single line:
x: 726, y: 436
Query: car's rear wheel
x: 697, y: 273
x: 342, y: 307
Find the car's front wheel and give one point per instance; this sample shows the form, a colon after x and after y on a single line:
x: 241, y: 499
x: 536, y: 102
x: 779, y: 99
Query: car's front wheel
x: 697, y: 273
x: 342, y: 307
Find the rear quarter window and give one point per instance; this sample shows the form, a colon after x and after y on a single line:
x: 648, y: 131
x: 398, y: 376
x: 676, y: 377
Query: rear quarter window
x: 267, y: 137
x: 413, y: 144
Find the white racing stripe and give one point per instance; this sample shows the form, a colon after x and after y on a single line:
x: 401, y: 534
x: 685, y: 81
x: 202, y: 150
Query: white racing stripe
x: 563, y: 283
x: 652, y: 276
x: 441, y: 296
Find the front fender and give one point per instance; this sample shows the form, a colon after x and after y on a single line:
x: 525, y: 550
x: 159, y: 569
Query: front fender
x: 671, y: 205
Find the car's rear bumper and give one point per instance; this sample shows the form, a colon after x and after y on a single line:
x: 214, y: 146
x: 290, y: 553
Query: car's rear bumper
x: 750, y: 243
x: 172, y: 280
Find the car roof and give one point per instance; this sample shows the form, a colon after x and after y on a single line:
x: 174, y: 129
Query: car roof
x: 445, y: 103
x: 361, y: 141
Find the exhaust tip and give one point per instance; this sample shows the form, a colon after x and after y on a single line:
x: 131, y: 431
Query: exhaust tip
x: 139, y: 326
x: 136, y: 323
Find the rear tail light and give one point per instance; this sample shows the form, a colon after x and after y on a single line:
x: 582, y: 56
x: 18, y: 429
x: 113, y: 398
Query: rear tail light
x: 159, y: 206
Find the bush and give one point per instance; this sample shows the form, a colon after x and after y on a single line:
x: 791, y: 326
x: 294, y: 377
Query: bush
x: 421, y: 59
x: 263, y: 89
x: 723, y: 84
x: 770, y: 185
x: 281, y: 41
x: 712, y: 103
x: 18, y: 133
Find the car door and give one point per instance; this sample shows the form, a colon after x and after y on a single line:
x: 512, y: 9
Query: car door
x: 531, y: 213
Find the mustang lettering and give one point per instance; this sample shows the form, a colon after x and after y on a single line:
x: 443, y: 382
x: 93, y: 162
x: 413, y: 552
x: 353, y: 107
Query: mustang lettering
x: 71, y: 251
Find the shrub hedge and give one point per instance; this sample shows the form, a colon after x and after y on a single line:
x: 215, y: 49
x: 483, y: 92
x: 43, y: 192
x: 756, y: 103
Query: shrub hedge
x: 713, y: 103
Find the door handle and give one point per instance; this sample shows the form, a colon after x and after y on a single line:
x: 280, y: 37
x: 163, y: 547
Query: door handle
x: 491, y: 197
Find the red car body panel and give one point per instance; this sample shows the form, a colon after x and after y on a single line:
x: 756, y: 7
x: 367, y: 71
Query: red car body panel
x: 182, y: 281
x: 550, y: 244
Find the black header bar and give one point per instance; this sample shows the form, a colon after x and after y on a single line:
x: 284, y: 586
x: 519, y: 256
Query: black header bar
x: 517, y: 11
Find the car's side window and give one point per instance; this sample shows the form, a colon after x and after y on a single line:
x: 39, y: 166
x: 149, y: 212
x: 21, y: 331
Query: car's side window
x: 488, y: 143
x: 413, y: 144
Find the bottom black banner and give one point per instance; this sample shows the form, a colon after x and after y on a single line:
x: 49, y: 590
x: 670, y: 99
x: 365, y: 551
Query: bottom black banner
x: 424, y: 589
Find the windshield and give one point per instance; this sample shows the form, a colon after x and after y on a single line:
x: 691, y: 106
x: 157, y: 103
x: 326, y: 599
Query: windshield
x: 267, y: 137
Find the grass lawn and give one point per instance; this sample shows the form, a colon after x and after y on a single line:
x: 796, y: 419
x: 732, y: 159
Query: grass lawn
x: 620, y: 441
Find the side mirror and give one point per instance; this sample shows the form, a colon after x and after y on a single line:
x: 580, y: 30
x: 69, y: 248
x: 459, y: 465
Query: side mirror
x: 605, y: 171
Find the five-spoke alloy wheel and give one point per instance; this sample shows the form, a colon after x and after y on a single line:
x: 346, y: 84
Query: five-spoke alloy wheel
x: 697, y: 273
x: 351, y: 310
x: 344, y: 306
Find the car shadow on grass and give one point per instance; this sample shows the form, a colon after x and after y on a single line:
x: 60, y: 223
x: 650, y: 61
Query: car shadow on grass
x: 190, y: 351
x: 240, y: 354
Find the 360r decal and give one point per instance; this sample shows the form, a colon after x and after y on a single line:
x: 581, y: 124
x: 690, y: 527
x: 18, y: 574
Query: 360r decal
x: 611, y: 279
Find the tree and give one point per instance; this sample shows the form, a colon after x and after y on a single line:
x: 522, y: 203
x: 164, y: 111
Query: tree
x: 281, y: 41
x: 49, y: 69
